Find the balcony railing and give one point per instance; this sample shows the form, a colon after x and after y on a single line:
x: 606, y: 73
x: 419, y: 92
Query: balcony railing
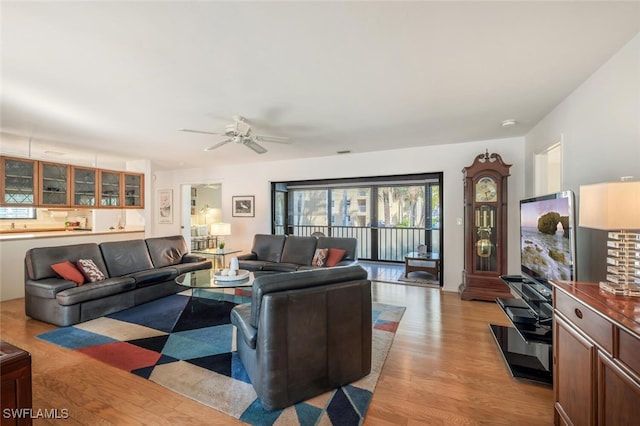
x: 392, y: 243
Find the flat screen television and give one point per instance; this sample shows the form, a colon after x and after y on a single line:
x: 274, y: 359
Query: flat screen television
x: 548, y: 237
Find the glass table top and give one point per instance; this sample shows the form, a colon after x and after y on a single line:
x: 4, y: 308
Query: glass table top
x: 207, y: 279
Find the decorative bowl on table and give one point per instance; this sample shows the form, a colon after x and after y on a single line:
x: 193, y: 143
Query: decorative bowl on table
x: 241, y: 274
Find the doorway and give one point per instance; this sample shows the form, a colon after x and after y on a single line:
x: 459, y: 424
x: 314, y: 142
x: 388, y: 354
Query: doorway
x: 201, y: 208
x: 548, y: 169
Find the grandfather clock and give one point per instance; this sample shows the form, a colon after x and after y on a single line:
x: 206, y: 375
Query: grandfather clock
x: 485, y: 229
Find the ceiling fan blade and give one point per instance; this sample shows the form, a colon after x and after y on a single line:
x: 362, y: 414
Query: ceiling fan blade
x: 218, y: 145
x: 275, y: 139
x: 254, y: 146
x: 200, y: 131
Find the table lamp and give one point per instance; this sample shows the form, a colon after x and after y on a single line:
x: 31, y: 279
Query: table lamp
x: 615, y: 207
x: 220, y: 230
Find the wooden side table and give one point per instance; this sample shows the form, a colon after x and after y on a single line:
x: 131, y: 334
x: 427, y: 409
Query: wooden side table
x: 15, y: 387
x: 426, y: 262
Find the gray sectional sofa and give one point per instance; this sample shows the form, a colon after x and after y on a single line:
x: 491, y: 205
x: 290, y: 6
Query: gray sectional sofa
x: 280, y: 253
x: 135, y: 271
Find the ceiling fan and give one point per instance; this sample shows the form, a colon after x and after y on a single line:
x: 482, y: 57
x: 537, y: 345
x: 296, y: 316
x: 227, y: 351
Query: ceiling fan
x: 240, y: 132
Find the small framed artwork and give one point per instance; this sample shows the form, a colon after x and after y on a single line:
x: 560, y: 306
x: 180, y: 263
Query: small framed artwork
x: 165, y: 206
x: 243, y: 206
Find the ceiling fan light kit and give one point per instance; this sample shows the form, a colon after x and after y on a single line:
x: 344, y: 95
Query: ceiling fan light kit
x: 240, y: 132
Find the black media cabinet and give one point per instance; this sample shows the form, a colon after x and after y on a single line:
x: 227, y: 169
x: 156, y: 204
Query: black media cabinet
x: 527, y: 346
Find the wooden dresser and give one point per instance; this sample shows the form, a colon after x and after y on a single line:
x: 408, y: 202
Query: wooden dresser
x: 596, y: 351
x: 15, y: 389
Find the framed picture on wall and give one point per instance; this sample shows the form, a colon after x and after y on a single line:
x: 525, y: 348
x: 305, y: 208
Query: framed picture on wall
x: 243, y: 206
x: 165, y: 206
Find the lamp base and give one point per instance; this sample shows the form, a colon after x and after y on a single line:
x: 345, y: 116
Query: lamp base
x: 620, y: 289
x: 623, y: 264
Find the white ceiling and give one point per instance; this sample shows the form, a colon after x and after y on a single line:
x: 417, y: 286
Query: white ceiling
x: 124, y: 77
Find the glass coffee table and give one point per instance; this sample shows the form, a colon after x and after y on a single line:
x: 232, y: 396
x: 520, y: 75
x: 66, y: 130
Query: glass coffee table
x: 218, y: 255
x: 209, y: 283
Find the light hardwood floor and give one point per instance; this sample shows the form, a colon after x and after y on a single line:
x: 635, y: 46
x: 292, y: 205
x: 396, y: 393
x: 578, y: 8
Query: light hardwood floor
x: 443, y: 369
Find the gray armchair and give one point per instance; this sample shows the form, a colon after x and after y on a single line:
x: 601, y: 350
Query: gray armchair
x: 305, y: 333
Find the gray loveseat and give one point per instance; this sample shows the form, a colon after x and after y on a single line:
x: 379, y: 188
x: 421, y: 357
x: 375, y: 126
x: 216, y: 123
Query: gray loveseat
x: 136, y: 271
x: 305, y: 333
x: 280, y: 253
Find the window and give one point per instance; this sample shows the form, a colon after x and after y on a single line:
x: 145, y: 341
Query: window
x: 17, y: 213
x: 309, y: 208
x: 389, y: 215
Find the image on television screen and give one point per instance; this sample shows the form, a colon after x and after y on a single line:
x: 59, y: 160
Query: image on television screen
x: 545, y: 238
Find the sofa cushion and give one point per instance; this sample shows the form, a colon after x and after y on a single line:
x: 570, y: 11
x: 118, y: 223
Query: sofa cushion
x: 90, y: 271
x: 281, y: 267
x: 251, y: 265
x: 68, y: 271
x: 166, y: 251
x: 268, y: 247
x: 350, y: 246
x: 183, y: 268
x: 266, y: 284
x: 298, y: 250
x: 193, y: 258
x: 153, y: 276
x: 38, y: 260
x: 126, y: 257
x: 97, y: 290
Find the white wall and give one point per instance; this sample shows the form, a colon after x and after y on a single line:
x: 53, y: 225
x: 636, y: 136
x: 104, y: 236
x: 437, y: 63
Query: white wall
x: 255, y: 179
x: 600, y: 125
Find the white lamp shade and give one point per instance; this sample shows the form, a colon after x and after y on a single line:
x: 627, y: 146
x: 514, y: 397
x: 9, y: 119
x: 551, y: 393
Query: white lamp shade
x: 610, y: 206
x: 220, y: 229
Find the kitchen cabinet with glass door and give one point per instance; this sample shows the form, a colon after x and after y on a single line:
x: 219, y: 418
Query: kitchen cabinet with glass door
x: 110, y: 186
x: 84, y: 186
x: 19, y: 182
x: 54, y: 185
x: 133, y: 190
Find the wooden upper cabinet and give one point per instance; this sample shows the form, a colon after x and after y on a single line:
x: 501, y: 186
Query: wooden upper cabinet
x: 133, y: 190
x: 121, y: 189
x: 19, y: 185
x: 110, y: 188
x: 54, y: 185
x: 26, y: 182
x: 84, y: 187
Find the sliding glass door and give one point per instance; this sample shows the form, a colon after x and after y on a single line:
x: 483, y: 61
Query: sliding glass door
x: 390, y: 216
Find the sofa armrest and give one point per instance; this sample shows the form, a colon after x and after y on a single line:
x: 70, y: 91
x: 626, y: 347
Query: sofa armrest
x: 192, y: 258
x: 240, y: 317
x: 347, y: 262
x: 248, y: 256
x: 47, y: 288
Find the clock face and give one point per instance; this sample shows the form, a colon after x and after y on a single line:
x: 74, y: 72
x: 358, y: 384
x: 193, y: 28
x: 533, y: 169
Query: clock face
x: 486, y: 190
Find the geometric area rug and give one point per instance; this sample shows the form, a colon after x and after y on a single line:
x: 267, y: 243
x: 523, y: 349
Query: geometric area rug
x: 188, y: 345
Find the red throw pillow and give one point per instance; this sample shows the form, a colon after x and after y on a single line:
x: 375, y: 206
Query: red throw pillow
x: 335, y: 256
x: 69, y: 272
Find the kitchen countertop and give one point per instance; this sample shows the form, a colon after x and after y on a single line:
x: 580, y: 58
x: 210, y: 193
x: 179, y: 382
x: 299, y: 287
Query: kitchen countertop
x: 44, y: 229
x: 60, y: 232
